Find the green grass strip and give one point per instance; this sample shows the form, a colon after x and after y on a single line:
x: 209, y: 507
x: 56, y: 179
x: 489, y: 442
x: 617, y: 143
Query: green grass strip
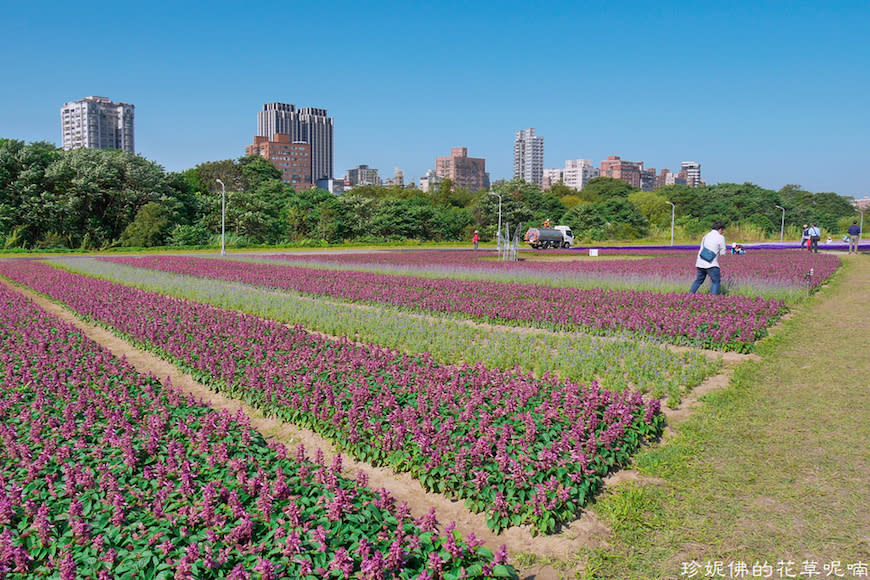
x: 774, y: 469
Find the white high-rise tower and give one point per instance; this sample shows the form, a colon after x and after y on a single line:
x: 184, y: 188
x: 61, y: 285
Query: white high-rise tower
x: 529, y: 156
x: 97, y: 123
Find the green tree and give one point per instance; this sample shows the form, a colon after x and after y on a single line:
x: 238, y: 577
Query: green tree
x: 100, y: 191
x: 612, y: 218
x: 601, y: 188
x: 150, y: 228
x: 653, y: 205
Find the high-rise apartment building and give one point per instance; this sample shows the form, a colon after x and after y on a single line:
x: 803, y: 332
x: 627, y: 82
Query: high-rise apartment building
x: 667, y: 177
x: 627, y: 171
x: 529, y: 156
x: 97, y: 123
x: 551, y: 177
x: 648, y: 179
x: 362, y: 175
x: 291, y: 158
x: 691, y: 170
x: 464, y: 171
x: 308, y: 124
x: 578, y: 172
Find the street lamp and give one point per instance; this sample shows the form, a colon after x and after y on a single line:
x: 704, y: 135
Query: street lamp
x: 861, y: 229
x: 223, y: 217
x: 673, y: 209
x: 782, y: 225
x: 498, y: 238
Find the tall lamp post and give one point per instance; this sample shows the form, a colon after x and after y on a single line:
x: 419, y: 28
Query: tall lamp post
x: 673, y: 210
x: 861, y: 229
x: 498, y: 237
x: 223, y: 217
x: 781, y: 225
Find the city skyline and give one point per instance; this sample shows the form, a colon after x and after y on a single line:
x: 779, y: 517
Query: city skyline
x: 763, y: 92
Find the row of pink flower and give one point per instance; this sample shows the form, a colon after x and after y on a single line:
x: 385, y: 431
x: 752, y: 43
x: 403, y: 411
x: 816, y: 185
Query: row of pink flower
x: 105, y: 473
x: 525, y: 450
x: 732, y: 322
x: 777, y: 268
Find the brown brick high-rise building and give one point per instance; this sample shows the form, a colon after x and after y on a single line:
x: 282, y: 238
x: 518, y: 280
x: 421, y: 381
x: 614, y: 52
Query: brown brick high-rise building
x: 292, y: 159
x: 464, y: 171
x: 627, y: 171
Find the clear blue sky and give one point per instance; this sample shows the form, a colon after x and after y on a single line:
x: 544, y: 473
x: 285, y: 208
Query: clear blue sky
x: 767, y: 92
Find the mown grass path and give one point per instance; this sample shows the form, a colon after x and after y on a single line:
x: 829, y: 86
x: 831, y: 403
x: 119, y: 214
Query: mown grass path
x: 775, y: 468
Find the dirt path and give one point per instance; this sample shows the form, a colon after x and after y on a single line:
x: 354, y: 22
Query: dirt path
x: 585, y: 532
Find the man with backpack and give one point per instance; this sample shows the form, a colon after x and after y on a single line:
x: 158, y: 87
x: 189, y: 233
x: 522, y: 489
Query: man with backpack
x: 707, y: 262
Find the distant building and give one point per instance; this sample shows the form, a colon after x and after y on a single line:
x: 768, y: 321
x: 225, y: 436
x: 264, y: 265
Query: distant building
x: 648, y: 179
x: 308, y: 124
x: 464, y: 171
x: 291, y: 158
x: 334, y: 186
x: 550, y: 178
x: 529, y: 156
x: 692, y: 172
x: 627, y: 171
x: 397, y: 179
x: 97, y: 123
x: 661, y: 178
x: 578, y: 172
x: 863, y: 204
x: 429, y: 182
x: 362, y: 175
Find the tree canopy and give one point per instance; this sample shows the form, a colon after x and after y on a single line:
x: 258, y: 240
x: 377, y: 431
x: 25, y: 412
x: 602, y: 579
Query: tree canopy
x: 89, y: 198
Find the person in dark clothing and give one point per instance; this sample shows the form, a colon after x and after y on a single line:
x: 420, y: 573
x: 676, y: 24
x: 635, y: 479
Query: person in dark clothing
x: 815, y: 236
x: 854, y: 234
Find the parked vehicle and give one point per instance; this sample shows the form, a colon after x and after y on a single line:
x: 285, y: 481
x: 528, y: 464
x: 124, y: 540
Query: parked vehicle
x: 557, y: 237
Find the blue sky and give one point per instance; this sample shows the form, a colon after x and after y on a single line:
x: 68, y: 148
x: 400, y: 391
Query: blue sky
x: 767, y: 92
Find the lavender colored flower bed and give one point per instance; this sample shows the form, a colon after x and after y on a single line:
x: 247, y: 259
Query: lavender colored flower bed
x: 728, y: 323
x: 523, y: 450
x: 105, y: 473
x: 756, y: 268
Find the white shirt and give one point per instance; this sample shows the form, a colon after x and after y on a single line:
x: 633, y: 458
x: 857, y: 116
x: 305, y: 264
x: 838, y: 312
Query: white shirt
x: 715, y: 242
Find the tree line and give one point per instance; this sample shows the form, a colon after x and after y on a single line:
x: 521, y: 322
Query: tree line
x: 98, y: 199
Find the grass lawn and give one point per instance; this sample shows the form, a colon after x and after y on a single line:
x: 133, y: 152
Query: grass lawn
x: 775, y: 468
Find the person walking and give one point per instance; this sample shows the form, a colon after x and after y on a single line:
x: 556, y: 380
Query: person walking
x: 475, y: 239
x: 805, y: 237
x: 854, y: 232
x: 707, y: 262
x: 815, y: 236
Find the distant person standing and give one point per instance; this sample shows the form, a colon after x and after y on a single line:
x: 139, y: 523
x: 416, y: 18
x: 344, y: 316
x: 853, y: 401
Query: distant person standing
x: 707, y: 262
x: 854, y: 232
x: 475, y: 239
x: 805, y: 237
x: 815, y: 236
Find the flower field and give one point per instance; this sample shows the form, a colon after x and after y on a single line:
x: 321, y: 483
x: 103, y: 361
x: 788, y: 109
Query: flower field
x: 617, y: 364
x: 522, y: 450
x: 760, y: 272
x: 106, y: 473
x: 701, y: 320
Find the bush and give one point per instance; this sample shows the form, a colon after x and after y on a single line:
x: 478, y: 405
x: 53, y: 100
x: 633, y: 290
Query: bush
x: 193, y: 235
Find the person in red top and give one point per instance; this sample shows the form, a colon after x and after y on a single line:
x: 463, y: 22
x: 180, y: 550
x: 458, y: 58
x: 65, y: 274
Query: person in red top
x: 476, y: 239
